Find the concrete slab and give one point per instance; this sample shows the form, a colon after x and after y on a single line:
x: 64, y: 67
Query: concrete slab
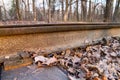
x: 33, y: 73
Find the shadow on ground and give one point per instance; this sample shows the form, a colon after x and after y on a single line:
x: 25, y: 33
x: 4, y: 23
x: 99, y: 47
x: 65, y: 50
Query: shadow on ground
x: 33, y: 73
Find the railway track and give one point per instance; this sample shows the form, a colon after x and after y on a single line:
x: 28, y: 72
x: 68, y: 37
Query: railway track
x: 48, y: 38
x: 58, y: 27
x: 53, y: 36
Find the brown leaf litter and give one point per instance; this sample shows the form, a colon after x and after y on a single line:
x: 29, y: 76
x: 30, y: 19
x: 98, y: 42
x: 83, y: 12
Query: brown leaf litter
x: 93, y: 62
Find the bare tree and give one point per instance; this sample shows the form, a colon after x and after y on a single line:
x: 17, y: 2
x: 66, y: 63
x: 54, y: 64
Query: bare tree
x: 25, y: 11
x: 66, y: 11
x: 52, y: 8
x: 89, y: 11
x: 117, y: 11
x: 28, y: 5
x: 19, y: 17
x: 108, y: 11
x: 70, y: 10
x: 62, y: 8
x: 93, y: 11
x: 44, y: 8
x: 77, y: 5
x: 83, y: 10
x: 49, y: 11
x: 4, y: 9
x: 34, y: 10
x: 28, y: 9
x: 0, y: 13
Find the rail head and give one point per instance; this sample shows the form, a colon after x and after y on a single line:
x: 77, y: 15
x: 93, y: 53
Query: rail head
x: 57, y: 27
x: 56, y: 24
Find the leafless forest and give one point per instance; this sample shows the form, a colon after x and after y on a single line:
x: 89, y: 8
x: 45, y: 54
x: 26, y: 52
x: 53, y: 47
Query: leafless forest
x: 61, y: 11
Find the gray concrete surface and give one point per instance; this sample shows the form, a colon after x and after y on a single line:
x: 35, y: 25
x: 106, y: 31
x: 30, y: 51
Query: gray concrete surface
x: 33, y: 73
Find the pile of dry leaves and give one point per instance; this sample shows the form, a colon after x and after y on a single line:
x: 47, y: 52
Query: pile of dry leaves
x: 92, y: 62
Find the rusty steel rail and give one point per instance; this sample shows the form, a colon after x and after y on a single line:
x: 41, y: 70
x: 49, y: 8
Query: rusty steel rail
x: 57, y: 27
x: 47, y: 38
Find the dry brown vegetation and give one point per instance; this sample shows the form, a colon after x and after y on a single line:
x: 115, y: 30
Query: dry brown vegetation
x: 99, y: 61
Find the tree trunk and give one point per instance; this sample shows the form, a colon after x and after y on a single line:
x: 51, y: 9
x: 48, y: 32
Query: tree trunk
x: 62, y: 9
x: 0, y: 13
x: 52, y: 9
x: 70, y: 11
x: 25, y: 9
x: 34, y: 10
x: 89, y: 11
x: 4, y: 9
x: 28, y: 9
x: 66, y: 12
x: 84, y: 10
x: 28, y: 4
x: 108, y: 11
x: 49, y: 11
x: 19, y: 17
x: 77, y: 15
x: 116, y: 12
x: 44, y: 8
